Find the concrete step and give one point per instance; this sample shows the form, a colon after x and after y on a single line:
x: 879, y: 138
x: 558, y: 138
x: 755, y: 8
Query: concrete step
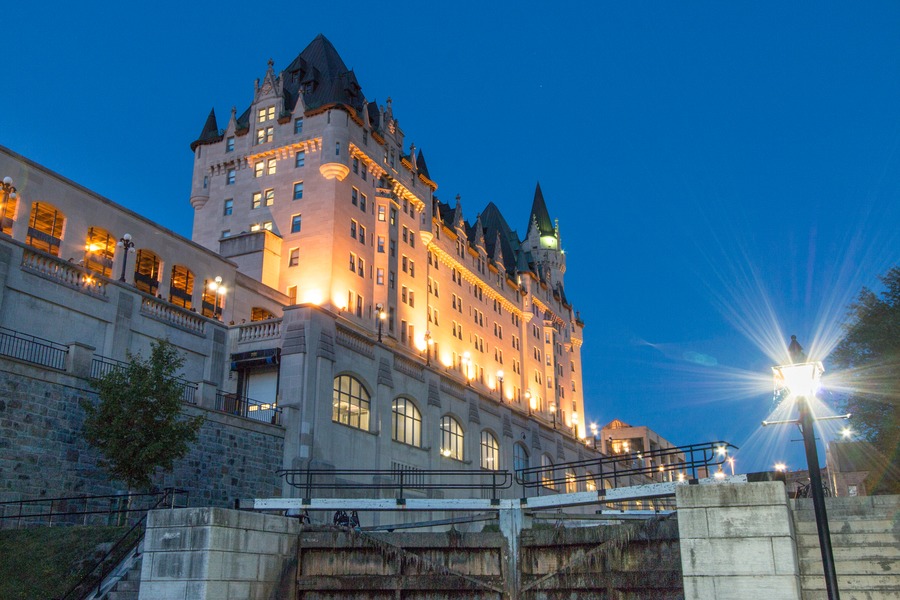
x: 128, y: 585
x: 878, y: 586
x: 847, y: 594
x: 122, y: 595
x: 848, y: 526
x: 873, y: 552
x: 883, y: 567
x: 811, y: 540
x: 879, y: 506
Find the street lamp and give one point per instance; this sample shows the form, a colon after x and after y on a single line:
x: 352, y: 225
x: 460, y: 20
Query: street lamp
x: 531, y: 400
x: 216, y: 287
x: 575, y: 423
x: 380, y: 315
x: 428, y: 343
x: 126, y: 244
x: 9, y: 193
x: 594, y: 434
x: 800, y: 381
x: 500, y: 383
x: 553, y: 413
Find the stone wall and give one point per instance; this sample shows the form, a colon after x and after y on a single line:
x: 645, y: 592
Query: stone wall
x: 43, y: 453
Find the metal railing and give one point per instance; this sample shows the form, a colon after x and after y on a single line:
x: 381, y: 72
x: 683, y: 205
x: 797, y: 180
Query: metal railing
x: 33, y: 349
x: 102, y: 366
x: 311, y: 480
x: 667, y: 464
x: 242, y: 406
x: 94, y: 578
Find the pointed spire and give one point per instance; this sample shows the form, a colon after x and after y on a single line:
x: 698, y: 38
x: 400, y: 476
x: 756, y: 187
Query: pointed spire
x: 478, y: 235
x: 539, y: 215
x: 458, y: 220
x: 210, y: 132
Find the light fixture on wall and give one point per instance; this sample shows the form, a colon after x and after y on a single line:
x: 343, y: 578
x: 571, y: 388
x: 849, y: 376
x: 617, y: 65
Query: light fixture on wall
x: 128, y: 245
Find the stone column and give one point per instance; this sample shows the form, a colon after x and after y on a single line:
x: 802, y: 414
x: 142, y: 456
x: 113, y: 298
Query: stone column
x: 737, y: 541
x: 79, y: 359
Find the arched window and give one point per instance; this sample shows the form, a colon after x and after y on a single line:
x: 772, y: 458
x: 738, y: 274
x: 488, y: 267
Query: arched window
x: 146, y: 272
x: 591, y: 482
x: 213, y: 302
x: 45, y: 228
x: 406, y: 422
x: 490, y: 451
x: 547, y: 471
x: 181, y: 287
x: 452, y: 438
x: 571, y: 482
x: 99, y: 250
x: 520, y: 457
x: 260, y: 314
x: 350, y: 405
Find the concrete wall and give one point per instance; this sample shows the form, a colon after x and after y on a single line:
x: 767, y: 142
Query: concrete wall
x: 43, y: 453
x: 865, y: 539
x: 206, y: 553
x: 737, y: 541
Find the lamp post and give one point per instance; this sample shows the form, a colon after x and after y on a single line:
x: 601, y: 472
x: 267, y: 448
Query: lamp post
x: 531, y: 400
x: 594, y: 434
x: 126, y: 244
x: 380, y: 315
x: 500, y: 383
x: 553, y: 413
x: 466, y: 360
x: 800, y: 382
x: 428, y: 343
x: 9, y: 193
x: 216, y: 287
x: 575, y: 423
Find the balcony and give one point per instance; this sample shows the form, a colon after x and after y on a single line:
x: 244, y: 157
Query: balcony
x: 248, y: 408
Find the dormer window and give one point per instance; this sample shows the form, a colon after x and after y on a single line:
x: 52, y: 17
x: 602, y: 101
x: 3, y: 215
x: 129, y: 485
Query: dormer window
x: 265, y: 114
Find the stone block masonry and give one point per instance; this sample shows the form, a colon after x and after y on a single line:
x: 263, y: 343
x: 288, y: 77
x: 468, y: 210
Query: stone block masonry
x: 43, y: 453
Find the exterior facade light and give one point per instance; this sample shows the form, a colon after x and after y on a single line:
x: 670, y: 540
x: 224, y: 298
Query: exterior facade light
x: 800, y: 382
x: 500, y: 383
x: 531, y: 400
x: 594, y: 431
x: 218, y: 289
x: 380, y: 316
x: 467, y: 361
x: 128, y: 246
x: 553, y: 413
x: 429, y: 342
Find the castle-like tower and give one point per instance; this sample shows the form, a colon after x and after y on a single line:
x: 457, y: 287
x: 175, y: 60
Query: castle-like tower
x: 313, y: 190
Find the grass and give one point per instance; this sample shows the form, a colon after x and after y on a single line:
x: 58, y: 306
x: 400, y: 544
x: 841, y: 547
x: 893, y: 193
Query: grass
x: 44, y: 562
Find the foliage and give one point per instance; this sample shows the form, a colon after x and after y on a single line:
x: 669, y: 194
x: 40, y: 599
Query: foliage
x: 43, y: 562
x: 138, y: 424
x: 871, y: 352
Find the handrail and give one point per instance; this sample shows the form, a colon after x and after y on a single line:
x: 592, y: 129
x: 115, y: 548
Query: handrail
x: 309, y: 480
x: 33, y: 349
x: 689, y: 458
x: 242, y: 406
x: 80, y: 588
x: 85, y: 501
x: 101, y: 365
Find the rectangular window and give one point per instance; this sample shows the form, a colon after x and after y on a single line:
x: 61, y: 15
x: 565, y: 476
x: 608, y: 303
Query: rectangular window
x: 295, y: 224
x: 229, y: 144
x: 381, y: 244
x: 337, y: 148
x: 353, y: 262
x: 292, y: 294
x: 405, y: 234
x: 298, y: 126
x: 258, y: 169
x: 255, y: 227
x: 412, y: 269
x: 393, y: 245
x: 392, y: 280
x: 412, y: 299
x: 393, y: 216
x: 362, y: 234
x: 264, y: 135
x: 381, y: 215
x: 356, y: 166
x: 294, y: 259
x: 229, y: 207
x: 362, y: 202
x: 229, y: 178
x: 405, y: 264
x: 361, y: 267
x: 256, y: 200
x: 354, y: 196
x: 270, y: 166
x: 270, y: 197
x: 353, y: 228
x: 226, y: 233
x: 298, y: 190
x: 267, y: 225
x: 300, y: 159
x: 379, y: 277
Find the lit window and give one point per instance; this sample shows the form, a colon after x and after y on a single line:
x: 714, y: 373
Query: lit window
x: 229, y: 207
x: 181, y: 287
x: 379, y: 277
x: 45, y: 228
x: 298, y: 126
x: 258, y: 169
x: 452, y: 438
x: 229, y: 178
x: 99, y: 251
x: 267, y: 225
x: 146, y: 270
x: 294, y: 259
x: 350, y: 403
x: 300, y: 159
x: 258, y: 313
x: 381, y: 244
x: 381, y: 213
x: 406, y: 422
x: 520, y: 457
x: 547, y: 471
x: 226, y: 233
x: 229, y: 144
x: 264, y: 135
x: 295, y: 224
x: 270, y: 166
x: 266, y: 114
x: 270, y: 197
x: 298, y: 190
x: 571, y: 482
x: 490, y: 451
x: 256, y: 200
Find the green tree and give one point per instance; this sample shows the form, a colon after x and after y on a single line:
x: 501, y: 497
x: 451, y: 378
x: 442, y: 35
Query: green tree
x: 137, y: 424
x: 870, y: 352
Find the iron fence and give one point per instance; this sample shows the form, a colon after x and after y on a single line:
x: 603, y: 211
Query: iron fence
x: 242, y: 406
x: 102, y: 366
x: 33, y: 349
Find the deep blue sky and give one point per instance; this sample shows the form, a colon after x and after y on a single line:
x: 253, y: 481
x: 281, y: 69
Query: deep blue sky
x: 706, y: 161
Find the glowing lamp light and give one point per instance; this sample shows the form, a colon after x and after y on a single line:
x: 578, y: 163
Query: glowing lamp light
x: 801, y: 380
x: 720, y: 474
x: 721, y: 450
x: 312, y: 297
x: 846, y: 433
x: 780, y: 467
x: 445, y: 452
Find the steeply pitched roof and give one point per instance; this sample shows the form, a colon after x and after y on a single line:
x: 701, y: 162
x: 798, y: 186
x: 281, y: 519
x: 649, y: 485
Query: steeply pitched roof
x: 421, y: 166
x: 540, y: 215
x: 210, y: 132
x: 510, y: 246
x: 320, y: 75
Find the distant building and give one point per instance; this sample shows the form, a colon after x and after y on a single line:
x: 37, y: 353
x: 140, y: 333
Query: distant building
x: 618, y: 437
x: 858, y: 469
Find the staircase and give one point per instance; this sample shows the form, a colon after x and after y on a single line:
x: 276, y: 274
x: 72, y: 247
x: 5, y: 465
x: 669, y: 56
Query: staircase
x: 865, y: 538
x: 128, y: 587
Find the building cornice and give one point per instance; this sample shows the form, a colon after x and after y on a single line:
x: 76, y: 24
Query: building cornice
x: 472, y: 278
